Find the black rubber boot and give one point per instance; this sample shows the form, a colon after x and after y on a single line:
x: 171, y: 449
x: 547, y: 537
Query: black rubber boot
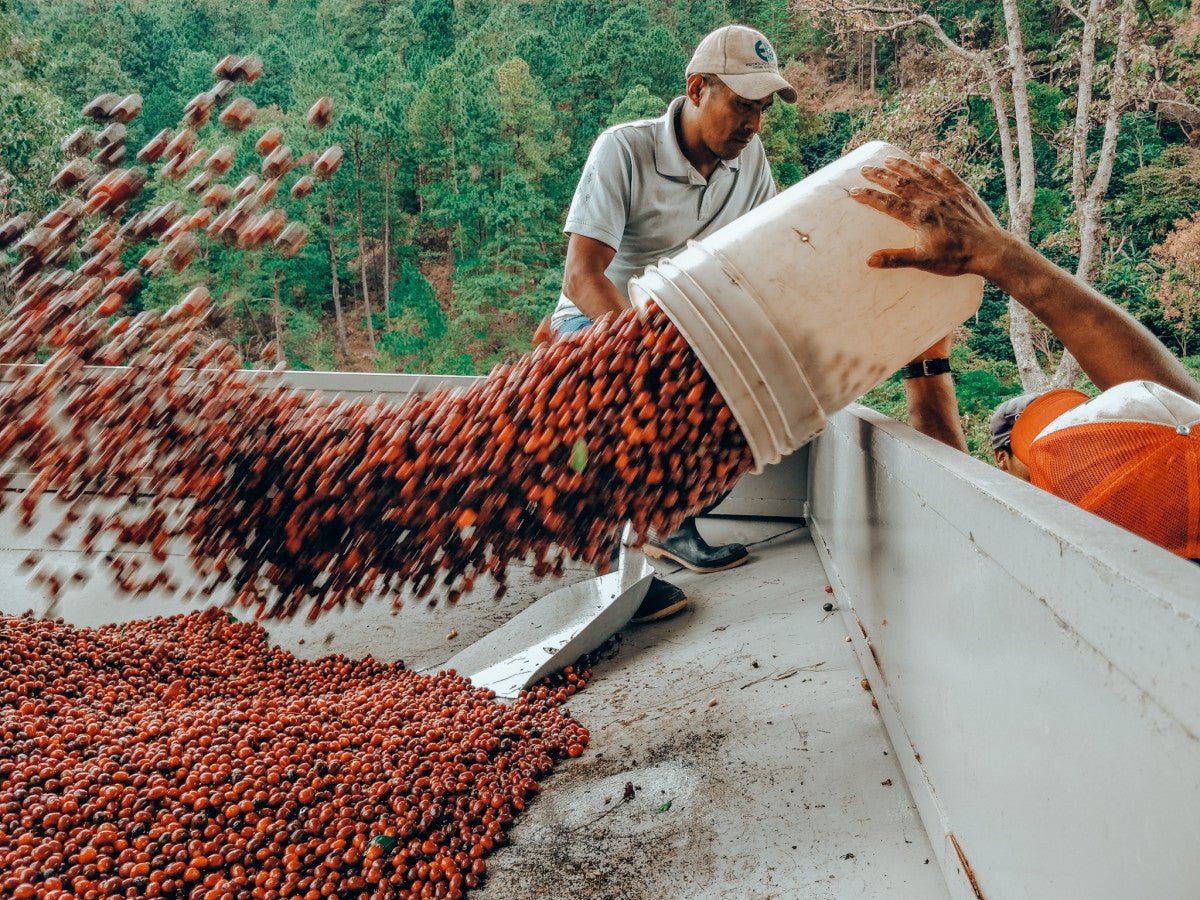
x: 663, y: 600
x: 691, y: 551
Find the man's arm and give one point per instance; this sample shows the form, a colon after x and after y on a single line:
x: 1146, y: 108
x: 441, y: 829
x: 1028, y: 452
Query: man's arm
x: 584, y: 281
x: 1111, y: 345
x: 956, y: 233
x: 596, y: 222
x: 932, y: 402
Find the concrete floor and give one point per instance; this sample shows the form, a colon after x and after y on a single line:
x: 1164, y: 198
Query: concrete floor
x: 760, y: 768
x: 784, y: 787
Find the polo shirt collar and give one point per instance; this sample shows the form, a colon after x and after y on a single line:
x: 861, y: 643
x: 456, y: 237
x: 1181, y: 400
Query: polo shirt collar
x: 668, y: 155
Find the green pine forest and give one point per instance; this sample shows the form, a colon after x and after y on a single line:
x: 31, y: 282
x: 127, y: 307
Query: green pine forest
x: 465, y: 125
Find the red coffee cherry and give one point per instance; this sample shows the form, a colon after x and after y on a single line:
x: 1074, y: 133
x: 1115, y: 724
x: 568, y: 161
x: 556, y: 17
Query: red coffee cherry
x: 199, y: 109
x: 239, y: 114
x: 269, y: 141
x: 100, y: 108
x: 321, y: 113
x: 127, y: 108
x: 328, y: 163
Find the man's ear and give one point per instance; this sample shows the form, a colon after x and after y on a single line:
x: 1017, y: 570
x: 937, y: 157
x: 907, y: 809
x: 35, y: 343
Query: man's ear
x: 1003, y: 459
x: 696, y: 86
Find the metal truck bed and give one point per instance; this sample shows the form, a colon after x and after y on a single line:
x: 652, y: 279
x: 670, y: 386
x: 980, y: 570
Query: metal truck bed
x: 1038, y: 730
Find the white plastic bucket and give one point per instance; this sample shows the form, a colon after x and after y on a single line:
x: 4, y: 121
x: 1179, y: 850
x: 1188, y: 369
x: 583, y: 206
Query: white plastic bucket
x: 786, y: 316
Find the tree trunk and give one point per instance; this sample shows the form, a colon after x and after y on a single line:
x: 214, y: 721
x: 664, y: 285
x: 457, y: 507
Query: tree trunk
x: 8, y: 294
x: 336, y: 288
x: 860, y: 61
x: 1092, y: 205
x: 1008, y: 156
x: 1020, y: 330
x: 1083, y: 100
x: 387, y: 236
x: 250, y: 317
x: 1027, y: 167
x: 1021, y: 215
x: 1020, y: 334
x: 1089, y: 208
x: 277, y: 315
x: 454, y: 187
x: 873, y: 58
x: 362, y: 244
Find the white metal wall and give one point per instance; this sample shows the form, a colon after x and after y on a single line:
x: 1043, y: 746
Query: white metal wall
x: 1038, y: 669
x: 777, y: 492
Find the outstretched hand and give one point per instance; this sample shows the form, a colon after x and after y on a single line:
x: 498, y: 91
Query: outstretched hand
x: 956, y: 232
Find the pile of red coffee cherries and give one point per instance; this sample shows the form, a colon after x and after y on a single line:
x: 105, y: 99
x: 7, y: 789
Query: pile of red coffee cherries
x: 187, y: 757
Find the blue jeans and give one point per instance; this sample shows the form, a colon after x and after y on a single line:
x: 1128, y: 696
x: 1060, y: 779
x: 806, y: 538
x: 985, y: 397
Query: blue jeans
x: 576, y: 322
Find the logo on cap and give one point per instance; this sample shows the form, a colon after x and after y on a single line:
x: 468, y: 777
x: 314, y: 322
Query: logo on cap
x: 764, y: 51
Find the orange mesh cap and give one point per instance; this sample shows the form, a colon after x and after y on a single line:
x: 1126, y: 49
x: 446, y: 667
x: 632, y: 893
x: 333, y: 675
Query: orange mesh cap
x: 1038, y: 414
x: 1132, y: 456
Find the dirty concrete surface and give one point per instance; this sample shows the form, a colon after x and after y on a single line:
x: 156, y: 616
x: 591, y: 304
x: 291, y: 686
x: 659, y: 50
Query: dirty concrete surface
x: 785, y: 787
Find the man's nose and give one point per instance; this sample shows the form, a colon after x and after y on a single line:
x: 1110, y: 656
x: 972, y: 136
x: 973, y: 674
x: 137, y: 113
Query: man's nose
x: 756, y: 121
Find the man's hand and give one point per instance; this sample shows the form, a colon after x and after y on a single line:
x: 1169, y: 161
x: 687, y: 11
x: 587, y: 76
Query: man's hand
x: 544, y: 333
x: 956, y: 232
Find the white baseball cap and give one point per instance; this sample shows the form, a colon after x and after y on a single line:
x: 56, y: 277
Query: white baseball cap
x: 1131, y: 455
x: 745, y: 60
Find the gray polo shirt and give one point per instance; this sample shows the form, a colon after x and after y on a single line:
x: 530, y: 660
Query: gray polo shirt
x: 640, y: 196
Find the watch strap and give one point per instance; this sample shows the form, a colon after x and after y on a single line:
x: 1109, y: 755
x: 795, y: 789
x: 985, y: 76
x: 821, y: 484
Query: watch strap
x: 926, y: 367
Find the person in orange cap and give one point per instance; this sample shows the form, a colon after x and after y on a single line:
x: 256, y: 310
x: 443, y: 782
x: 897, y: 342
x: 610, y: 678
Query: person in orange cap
x: 1130, y: 455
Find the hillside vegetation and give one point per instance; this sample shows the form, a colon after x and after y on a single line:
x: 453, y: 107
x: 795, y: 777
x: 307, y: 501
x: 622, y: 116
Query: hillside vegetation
x: 465, y: 125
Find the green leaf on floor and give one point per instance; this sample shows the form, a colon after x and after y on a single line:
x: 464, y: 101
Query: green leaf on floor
x: 666, y: 805
x: 384, y: 841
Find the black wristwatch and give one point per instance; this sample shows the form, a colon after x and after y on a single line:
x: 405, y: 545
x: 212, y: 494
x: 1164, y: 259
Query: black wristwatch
x: 925, y: 368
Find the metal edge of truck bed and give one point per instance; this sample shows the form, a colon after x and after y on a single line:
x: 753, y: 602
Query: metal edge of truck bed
x: 1035, y: 667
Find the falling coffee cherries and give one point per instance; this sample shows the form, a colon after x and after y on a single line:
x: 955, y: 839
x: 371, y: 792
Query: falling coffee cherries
x: 288, y: 502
